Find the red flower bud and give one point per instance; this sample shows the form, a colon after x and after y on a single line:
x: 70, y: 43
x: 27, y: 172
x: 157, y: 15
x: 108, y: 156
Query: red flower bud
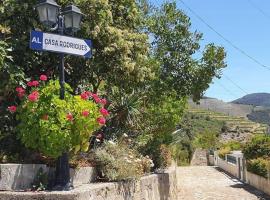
x: 69, y: 117
x: 45, y: 117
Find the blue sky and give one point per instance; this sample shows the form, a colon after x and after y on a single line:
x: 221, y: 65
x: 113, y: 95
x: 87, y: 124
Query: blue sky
x: 245, y: 26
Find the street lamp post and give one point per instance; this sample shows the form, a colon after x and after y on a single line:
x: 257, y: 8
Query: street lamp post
x: 66, y: 21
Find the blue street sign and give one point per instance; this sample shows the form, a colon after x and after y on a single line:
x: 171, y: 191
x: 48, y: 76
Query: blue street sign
x: 58, y: 43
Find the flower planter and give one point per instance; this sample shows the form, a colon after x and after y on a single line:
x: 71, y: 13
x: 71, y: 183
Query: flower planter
x: 21, y: 176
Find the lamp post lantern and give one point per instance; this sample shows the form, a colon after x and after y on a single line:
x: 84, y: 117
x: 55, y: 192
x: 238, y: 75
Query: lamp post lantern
x: 66, y: 21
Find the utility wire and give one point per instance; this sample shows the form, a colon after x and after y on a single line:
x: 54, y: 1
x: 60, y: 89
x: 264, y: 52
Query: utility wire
x: 259, y: 9
x: 226, y: 89
x: 235, y: 84
x: 229, y: 79
x: 224, y: 38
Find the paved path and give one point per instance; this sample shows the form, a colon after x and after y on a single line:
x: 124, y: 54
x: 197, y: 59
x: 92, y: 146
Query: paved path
x: 209, y: 183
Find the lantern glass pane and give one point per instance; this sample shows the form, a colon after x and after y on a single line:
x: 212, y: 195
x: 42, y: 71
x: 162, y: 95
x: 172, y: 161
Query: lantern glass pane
x: 68, y: 20
x: 42, y: 13
x: 76, y: 20
x: 48, y: 14
x: 52, y: 13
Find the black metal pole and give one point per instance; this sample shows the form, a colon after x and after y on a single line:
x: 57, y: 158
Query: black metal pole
x: 62, y: 174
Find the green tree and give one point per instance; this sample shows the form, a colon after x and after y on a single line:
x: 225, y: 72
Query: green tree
x: 206, y: 140
x: 174, y: 46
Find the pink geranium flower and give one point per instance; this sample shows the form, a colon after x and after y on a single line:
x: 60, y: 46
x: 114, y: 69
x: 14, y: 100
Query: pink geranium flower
x: 84, y: 96
x: 85, y: 113
x: 104, y: 112
x: 20, y: 91
x: 30, y: 84
x: 35, y: 83
x: 101, y: 120
x: 33, y: 97
x: 43, y: 78
x: 12, y: 109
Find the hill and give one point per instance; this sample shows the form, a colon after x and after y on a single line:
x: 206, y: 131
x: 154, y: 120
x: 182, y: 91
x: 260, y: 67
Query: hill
x: 255, y: 99
x: 234, y: 128
x: 257, y: 113
x: 215, y: 105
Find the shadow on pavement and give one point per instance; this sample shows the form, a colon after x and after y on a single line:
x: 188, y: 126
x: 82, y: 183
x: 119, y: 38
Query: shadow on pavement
x: 239, y: 184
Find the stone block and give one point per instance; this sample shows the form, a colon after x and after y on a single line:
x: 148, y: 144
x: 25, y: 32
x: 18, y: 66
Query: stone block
x: 21, y: 176
x: 18, y: 176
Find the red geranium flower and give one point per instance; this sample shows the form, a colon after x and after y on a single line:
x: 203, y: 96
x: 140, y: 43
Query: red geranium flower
x: 33, y: 96
x: 95, y: 96
x: 20, y: 95
x: 12, y: 109
x: 88, y: 93
x: 84, y: 96
x: 104, y: 112
x: 43, y: 77
x: 20, y: 91
x: 30, y: 84
x: 70, y: 117
x: 85, y: 113
x: 101, y: 120
x: 35, y: 83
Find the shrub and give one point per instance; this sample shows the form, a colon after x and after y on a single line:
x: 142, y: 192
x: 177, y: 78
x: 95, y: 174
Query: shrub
x: 226, y: 148
x: 205, y: 140
x: 259, y: 166
x: 53, y: 126
x: 160, y: 153
x: 259, y: 146
x: 223, y: 151
x: 165, y: 158
x: 117, y: 162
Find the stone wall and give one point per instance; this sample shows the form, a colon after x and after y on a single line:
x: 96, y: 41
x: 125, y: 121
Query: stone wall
x: 228, y: 167
x: 162, y: 186
x: 199, y: 158
x: 258, y: 182
x: 21, y: 176
x: 239, y: 171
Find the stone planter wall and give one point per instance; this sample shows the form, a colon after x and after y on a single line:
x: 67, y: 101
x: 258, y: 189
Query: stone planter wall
x: 258, y: 182
x: 161, y: 186
x: 21, y: 176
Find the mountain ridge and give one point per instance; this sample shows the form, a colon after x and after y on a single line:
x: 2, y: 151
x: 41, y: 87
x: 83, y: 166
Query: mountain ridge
x: 255, y: 99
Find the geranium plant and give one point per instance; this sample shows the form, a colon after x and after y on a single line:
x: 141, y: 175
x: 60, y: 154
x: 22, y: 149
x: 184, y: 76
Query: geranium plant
x: 53, y: 126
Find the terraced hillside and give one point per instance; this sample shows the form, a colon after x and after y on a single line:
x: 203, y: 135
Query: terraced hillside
x: 235, y: 128
x: 216, y: 105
